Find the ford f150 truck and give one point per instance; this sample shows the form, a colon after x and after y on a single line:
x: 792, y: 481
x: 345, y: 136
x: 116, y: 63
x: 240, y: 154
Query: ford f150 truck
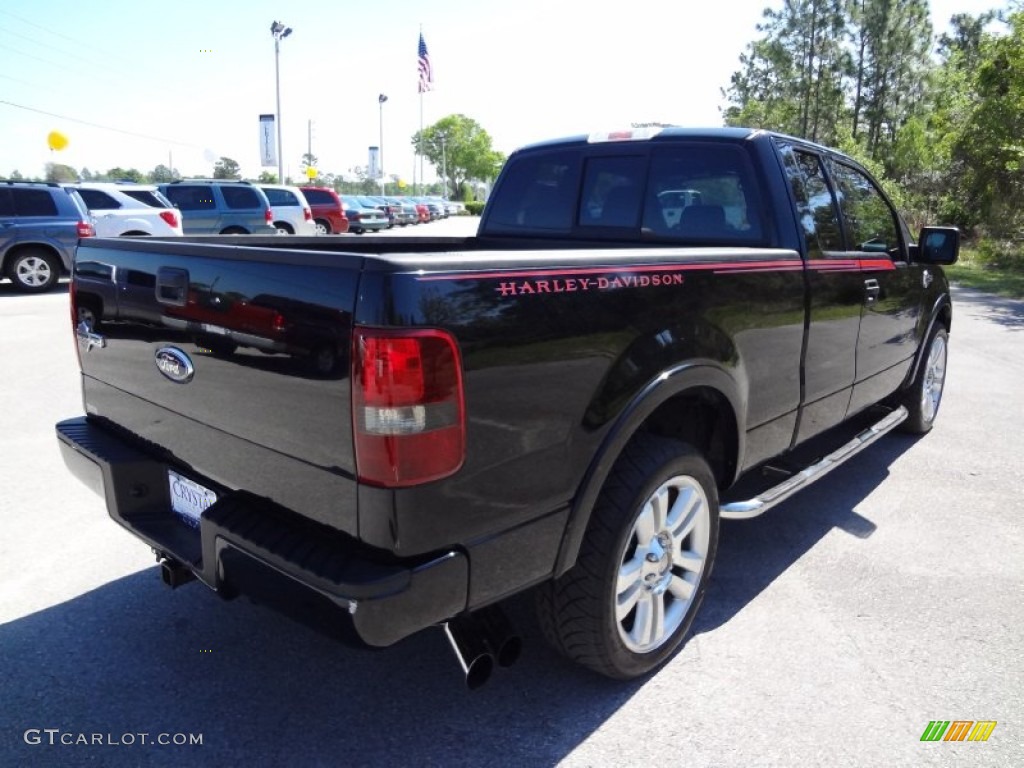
x: 646, y: 331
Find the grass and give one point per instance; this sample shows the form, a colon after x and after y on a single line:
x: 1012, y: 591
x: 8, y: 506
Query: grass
x: 969, y: 272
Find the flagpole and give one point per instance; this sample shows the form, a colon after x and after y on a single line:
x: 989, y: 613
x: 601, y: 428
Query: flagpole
x: 421, y: 137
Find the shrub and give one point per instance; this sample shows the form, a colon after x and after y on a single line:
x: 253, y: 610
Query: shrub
x: 474, y: 207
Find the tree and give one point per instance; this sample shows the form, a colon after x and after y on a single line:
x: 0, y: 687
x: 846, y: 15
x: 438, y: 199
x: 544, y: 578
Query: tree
x: 60, y: 172
x: 162, y: 174
x: 121, y: 174
x: 465, y: 153
x: 267, y: 177
x: 226, y: 168
x: 16, y: 175
x: 86, y: 175
x: 990, y: 148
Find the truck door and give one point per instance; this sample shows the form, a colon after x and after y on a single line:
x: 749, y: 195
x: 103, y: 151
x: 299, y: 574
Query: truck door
x: 893, y: 288
x: 835, y: 294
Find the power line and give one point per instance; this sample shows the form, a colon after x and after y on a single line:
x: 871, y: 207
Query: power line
x: 97, y: 125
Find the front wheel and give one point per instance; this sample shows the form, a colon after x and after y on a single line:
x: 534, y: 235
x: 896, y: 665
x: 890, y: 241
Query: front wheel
x: 644, y: 563
x: 925, y: 394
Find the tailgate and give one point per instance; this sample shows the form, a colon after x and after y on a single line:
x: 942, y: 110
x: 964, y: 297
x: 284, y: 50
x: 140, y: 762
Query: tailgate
x: 234, y: 361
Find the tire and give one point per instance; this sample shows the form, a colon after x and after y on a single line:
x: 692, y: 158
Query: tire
x: 234, y: 231
x: 322, y: 227
x: 89, y: 314
x: 628, y: 602
x: 135, y: 233
x: 283, y: 228
x: 923, y: 398
x: 33, y: 271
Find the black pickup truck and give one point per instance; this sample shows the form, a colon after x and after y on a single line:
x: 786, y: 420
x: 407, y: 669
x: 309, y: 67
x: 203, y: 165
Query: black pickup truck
x: 396, y: 433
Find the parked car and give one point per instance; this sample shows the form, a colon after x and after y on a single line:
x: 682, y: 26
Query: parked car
x: 221, y: 206
x: 435, y: 208
x: 371, y: 201
x: 422, y: 211
x: 129, y: 209
x: 405, y: 212
x: 328, y: 212
x: 292, y: 214
x: 362, y: 218
x: 40, y: 225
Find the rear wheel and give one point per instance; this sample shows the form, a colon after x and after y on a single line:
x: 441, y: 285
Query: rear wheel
x: 284, y: 228
x: 925, y: 394
x: 644, y: 563
x: 322, y: 227
x: 33, y: 271
x: 234, y: 231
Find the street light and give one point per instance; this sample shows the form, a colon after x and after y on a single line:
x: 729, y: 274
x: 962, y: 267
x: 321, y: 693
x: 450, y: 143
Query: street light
x: 279, y: 31
x: 380, y: 105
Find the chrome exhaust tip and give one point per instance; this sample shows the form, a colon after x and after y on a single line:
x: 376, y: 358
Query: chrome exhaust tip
x: 471, y: 650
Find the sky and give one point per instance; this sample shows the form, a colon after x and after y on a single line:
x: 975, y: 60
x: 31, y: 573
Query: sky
x: 136, y: 83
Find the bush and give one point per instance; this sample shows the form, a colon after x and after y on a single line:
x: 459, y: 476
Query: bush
x: 474, y: 207
x: 1004, y: 254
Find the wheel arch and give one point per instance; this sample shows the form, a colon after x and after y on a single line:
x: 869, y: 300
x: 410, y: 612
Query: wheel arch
x: 34, y: 245
x: 698, y: 404
x: 941, y: 315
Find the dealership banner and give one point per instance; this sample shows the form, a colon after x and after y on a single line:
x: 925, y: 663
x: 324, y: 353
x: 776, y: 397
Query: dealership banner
x: 268, y: 149
x: 373, y: 169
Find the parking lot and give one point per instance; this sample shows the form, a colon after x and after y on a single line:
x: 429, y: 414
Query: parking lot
x: 836, y: 627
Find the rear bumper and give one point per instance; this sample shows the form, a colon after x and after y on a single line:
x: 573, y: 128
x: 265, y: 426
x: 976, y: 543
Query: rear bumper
x: 244, y: 543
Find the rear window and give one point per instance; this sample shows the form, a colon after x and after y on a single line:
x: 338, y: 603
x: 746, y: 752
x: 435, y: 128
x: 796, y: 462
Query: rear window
x: 241, y: 197
x: 683, y: 191
x: 149, y: 197
x: 540, y: 196
x: 33, y: 202
x: 281, y: 197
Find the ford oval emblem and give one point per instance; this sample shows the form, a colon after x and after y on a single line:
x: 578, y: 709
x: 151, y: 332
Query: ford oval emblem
x: 175, y: 365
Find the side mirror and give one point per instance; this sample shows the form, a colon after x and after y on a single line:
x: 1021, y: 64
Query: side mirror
x: 938, y: 245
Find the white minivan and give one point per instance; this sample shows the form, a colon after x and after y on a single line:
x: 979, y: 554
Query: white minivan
x: 292, y: 215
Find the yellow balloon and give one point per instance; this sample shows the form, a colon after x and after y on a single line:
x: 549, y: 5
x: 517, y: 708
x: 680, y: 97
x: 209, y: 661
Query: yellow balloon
x: 311, y: 173
x: 57, y: 140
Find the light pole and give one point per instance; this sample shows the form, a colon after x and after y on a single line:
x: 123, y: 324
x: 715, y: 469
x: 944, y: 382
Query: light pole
x: 380, y: 105
x: 279, y: 31
x: 444, y: 166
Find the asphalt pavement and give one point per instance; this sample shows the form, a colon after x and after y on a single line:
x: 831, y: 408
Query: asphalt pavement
x: 836, y: 627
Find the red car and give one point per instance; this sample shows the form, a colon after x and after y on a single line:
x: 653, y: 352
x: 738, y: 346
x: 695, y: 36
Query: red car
x: 328, y: 212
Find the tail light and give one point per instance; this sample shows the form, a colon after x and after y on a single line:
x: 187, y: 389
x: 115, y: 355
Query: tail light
x: 269, y: 215
x: 85, y: 229
x: 307, y: 214
x: 170, y: 217
x: 408, y: 406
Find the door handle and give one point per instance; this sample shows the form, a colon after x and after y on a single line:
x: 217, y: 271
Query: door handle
x: 872, y: 288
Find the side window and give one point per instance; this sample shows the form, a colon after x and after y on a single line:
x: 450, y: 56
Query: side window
x: 871, y: 225
x: 280, y: 197
x: 241, y: 197
x: 6, y: 203
x: 539, y: 196
x: 702, y: 192
x: 819, y: 216
x: 191, y: 197
x: 33, y: 202
x: 612, y: 191
x: 314, y: 196
x: 97, y: 200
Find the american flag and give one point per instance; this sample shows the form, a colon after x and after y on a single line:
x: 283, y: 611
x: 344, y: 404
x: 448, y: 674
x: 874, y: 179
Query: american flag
x: 426, y: 74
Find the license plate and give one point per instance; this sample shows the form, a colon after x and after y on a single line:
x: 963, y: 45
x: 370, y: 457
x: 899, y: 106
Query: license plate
x: 189, y: 499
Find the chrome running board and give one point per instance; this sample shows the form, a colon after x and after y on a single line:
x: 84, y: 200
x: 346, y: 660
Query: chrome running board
x: 744, y: 510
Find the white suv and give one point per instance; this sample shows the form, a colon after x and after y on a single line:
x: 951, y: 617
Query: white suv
x: 129, y: 209
x: 292, y: 215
